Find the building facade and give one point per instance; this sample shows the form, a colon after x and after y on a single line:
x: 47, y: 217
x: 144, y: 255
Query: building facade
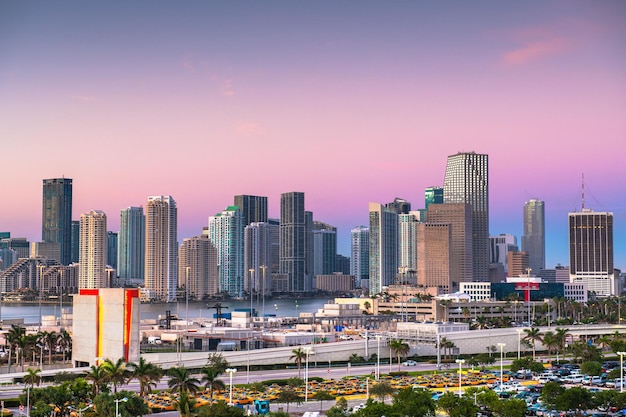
x: 407, y: 240
x: 591, y: 251
x: 93, y: 250
x: 467, y: 181
x: 293, y: 241
x: 534, y: 237
x: 226, y: 233
x: 499, y: 247
x: 161, y: 254
x: 359, y: 254
x: 383, y: 256
x: 197, y: 268
x: 253, y: 208
x: 57, y: 216
x: 132, y: 244
x: 434, y: 256
x: 260, y: 256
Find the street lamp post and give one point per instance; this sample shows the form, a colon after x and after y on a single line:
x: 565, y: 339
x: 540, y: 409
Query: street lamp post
x: 519, y: 342
x: 40, y: 268
x: 501, y: 345
x: 117, y: 406
x: 251, y: 270
x: 621, y: 371
x: 307, y: 351
x: 187, y: 268
x: 263, y: 268
x: 81, y: 410
x: 377, y: 357
x: 231, y: 371
x: 460, y: 362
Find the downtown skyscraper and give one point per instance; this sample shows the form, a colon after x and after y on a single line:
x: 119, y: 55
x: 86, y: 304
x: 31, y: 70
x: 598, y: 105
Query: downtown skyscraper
x: 161, y: 267
x: 253, y: 208
x: 383, y: 254
x: 534, y: 237
x: 93, y: 250
x: 226, y: 233
x: 56, y: 223
x: 360, y: 254
x: 293, y: 241
x: 132, y: 244
x: 467, y: 181
x: 591, y: 251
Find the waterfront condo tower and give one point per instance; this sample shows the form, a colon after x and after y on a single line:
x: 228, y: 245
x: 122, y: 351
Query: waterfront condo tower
x: 132, y: 243
x: 293, y: 240
x: 383, y: 247
x: 534, y: 238
x: 161, y: 267
x: 56, y: 225
x: 93, y: 250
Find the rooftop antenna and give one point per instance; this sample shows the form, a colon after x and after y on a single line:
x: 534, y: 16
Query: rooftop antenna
x: 583, y: 191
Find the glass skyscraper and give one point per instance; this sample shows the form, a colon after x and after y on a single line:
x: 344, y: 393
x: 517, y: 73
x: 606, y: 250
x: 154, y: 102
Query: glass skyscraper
x: 534, y: 238
x: 467, y: 181
x: 132, y: 243
x: 56, y: 224
x: 293, y: 240
x: 161, y: 267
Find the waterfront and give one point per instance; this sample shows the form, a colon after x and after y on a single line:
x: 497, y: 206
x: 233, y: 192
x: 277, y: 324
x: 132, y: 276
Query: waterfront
x: 285, y: 307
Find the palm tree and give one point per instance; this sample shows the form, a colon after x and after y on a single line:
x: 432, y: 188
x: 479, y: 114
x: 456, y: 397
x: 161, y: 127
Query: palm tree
x: 550, y: 342
x: 299, y: 355
x: 98, y: 378
x: 533, y: 335
x: 116, y: 372
x: 182, y: 381
x: 14, y: 338
x: 561, y: 336
x: 367, y: 306
x: 32, y: 377
x: 65, y: 343
x: 209, y: 378
x: 49, y: 341
x: 400, y: 348
x: 146, y: 373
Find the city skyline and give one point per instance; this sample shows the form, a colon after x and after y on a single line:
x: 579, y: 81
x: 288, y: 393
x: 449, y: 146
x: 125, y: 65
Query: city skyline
x: 348, y: 104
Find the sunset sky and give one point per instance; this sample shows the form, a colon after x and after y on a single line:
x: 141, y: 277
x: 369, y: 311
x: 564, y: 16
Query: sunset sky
x: 349, y: 102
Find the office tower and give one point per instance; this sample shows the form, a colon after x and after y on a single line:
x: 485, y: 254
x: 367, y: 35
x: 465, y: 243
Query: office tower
x: 518, y: 263
x: 132, y: 244
x: 324, y: 248
x: 7, y: 258
x: 19, y: 244
x: 57, y: 216
x: 161, y: 255
x: 591, y: 251
x: 226, y: 233
x: 459, y: 217
x: 342, y: 264
x: 259, y: 253
x: 308, y: 251
x: 499, y: 247
x: 534, y: 238
x: 467, y: 181
x: 93, y: 250
x: 253, y: 208
x: 75, y: 232
x: 112, y: 244
x: 293, y: 240
x: 360, y: 254
x: 433, y: 195
x: 434, y: 256
x: 197, y: 268
x: 383, y: 247
x: 399, y: 206
x: 407, y: 241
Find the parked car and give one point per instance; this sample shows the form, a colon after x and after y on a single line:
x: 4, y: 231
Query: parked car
x: 573, y: 379
x: 409, y: 363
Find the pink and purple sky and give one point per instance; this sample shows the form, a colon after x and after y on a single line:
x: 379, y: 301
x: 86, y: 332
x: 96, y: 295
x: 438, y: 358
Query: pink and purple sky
x: 349, y: 102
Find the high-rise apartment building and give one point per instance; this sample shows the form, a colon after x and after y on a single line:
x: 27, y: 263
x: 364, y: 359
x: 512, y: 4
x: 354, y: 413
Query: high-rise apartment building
x: 132, y: 244
x: 161, y: 255
x: 324, y: 248
x: 293, y: 240
x: 57, y: 216
x: 434, y: 256
x: 360, y: 254
x: 112, y: 244
x: 93, y: 250
x: 467, y: 181
x: 433, y: 195
x: 75, y: 246
x: 197, y: 268
x: 253, y: 208
x: 226, y: 232
x: 534, y: 238
x: 383, y: 247
x: 407, y: 240
x: 518, y: 263
x: 259, y: 254
x: 591, y: 251
x: 459, y: 217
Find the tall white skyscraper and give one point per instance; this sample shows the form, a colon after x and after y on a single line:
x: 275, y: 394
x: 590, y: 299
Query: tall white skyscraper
x: 360, y: 254
x: 499, y: 247
x: 534, y: 238
x: 197, y: 268
x: 226, y: 232
x: 467, y: 181
x: 383, y: 247
x: 407, y: 240
x: 161, y: 268
x: 259, y: 241
x: 93, y: 250
x: 132, y: 243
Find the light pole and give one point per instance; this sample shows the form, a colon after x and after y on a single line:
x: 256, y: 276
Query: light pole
x: 117, y: 405
x: 621, y: 371
x: 460, y: 362
x: 307, y: 351
x: 377, y: 357
x: 187, y: 268
x: 230, y: 372
x: 40, y: 268
x: 263, y: 268
x: 501, y: 345
x: 251, y: 270
x: 519, y: 342
x: 81, y: 410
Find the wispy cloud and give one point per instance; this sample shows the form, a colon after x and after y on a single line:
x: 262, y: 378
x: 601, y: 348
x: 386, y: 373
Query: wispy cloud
x: 533, y: 50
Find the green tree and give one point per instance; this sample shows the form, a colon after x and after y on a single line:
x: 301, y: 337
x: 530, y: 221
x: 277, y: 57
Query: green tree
x: 221, y: 409
x: 550, y: 392
x: 288, y: 396
x: 299, y: 356
x: 322, y: 396
x: 32, y: 377
x: 210, y: 381
x: 414, y: 403
x: 116, y: 372
x: 375, y: 409
x: 400, y: 348
x: 382, y: 390
x: 132, y: 406
x: 511, y: 407
x: 146, y: 373
x: 98, y: 378
x: 533, y: 335
x: 217, y: 361
x: 184, y: 404
x: 575, y: 398
x: 182, y: 381
x: 456, y: 406
x: 591, y: 368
